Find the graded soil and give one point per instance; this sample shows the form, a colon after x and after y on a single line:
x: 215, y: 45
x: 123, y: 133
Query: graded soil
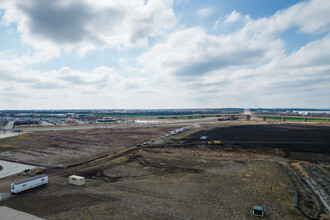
x: 186, y: 178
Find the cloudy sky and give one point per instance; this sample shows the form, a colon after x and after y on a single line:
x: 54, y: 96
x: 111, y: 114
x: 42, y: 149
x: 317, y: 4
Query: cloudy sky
x: 79, y: 54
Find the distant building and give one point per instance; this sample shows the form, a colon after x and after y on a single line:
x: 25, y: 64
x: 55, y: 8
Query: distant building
x: 106, y: 120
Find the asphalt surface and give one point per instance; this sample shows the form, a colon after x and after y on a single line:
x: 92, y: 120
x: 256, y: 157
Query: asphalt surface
x: 10, y: 168
x: 12, y: 214
x: 8, y: 134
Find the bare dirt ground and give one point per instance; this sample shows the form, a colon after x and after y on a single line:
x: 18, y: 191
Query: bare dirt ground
x: 187, y: 179
x: 58, y: 147
x: 170, y: 184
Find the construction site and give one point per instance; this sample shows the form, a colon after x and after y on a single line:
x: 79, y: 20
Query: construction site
x: 213, y: 170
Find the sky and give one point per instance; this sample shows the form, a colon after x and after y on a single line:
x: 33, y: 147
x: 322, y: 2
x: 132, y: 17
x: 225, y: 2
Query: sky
x: 162, y: 54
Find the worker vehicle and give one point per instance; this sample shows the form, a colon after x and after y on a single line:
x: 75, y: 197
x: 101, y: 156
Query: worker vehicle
x: 25, y: 172
x: 204, y: 137
x: 214, y: 142
x: 32, y: 172
x: 33, y: 182
x: 39, y: 171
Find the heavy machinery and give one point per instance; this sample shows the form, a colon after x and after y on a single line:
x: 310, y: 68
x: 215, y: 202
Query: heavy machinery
x: 204, y: 137
x: 32, y: 172
x: 39, y: 171
x: 214, y: 142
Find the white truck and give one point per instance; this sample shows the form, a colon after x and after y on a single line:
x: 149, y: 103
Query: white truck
x: 29, y: 183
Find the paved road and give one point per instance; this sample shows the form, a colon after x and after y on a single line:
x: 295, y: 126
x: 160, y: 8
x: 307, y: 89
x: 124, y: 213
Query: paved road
x: 12, y: 214
x: 10, y: 125
x: 8, y: 134
x: 10, y: 168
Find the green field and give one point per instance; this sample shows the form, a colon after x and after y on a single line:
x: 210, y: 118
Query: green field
x: 274, y: 118
x: 296, y: 119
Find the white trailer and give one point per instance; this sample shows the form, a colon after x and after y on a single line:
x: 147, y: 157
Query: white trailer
x: 76, y: 180
x: 29, y: 183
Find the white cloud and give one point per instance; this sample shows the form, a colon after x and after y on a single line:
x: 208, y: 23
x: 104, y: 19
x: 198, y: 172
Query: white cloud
x: 235, y: 17
x: 249, y: 62
x: 232, y: 18
x: 309, y: 17
x: 205, y: 12
x: 193, y: 53
x: 88, y: 24
x: 314, y: 54
x: 184, y: 68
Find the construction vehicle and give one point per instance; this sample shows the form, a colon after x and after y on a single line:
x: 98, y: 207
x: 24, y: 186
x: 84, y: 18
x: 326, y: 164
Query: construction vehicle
x: 204, y: 137
x: 32, y: 172
x: 39, y: 171
x: 214, y: 142
x: 25, y: 172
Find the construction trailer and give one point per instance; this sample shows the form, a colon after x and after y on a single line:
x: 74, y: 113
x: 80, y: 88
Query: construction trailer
x: 76, y: 180
x: 29, y: 183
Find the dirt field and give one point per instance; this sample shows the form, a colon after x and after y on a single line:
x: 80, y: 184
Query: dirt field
x: 58, y: 147
x: 160, y: 183
x: 186, y: 179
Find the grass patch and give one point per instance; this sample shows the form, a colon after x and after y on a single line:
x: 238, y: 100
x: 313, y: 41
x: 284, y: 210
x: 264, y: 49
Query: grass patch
x: 274, y: 118
x: 294, y: 119
x: 297, y: 119
x: 317, y: 120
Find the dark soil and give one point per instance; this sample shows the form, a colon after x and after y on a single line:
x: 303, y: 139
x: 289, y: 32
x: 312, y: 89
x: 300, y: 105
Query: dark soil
x: 286, y: 137
x: 41, y: 205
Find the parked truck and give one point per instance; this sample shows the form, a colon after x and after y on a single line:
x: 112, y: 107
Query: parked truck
x: 29, y: 183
